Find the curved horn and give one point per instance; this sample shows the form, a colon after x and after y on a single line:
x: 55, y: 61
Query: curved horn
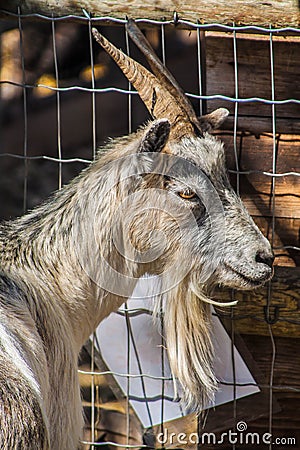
x: 161, y: 72
x: 157, y: 98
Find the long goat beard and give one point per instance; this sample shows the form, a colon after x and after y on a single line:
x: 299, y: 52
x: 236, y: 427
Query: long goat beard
x: 187, y: 323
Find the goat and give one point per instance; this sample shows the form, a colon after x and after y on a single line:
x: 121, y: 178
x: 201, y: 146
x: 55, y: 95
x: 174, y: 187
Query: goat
x: 70, y: 262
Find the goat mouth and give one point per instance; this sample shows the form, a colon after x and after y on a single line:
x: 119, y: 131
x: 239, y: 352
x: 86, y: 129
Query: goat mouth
x: 247, y: 280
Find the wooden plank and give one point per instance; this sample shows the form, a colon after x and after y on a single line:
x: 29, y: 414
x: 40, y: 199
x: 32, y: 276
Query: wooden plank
x: 249, y: 314
x: 286, y: 378
x: 256, y: 155
x: 254, y: 75
x: 259, y: 205
x: 258, y: 125
x: 277, y: 12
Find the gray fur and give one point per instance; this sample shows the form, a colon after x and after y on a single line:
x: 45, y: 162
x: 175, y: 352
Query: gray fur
x: 52, y: 283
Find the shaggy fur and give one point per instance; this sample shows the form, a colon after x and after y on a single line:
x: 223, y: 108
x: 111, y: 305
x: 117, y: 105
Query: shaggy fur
x: 56, y: 281
x: 156, y: 202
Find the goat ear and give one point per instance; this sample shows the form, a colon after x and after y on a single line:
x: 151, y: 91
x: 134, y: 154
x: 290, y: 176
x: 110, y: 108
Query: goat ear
x: 156, y: 136
x: 213, y: 120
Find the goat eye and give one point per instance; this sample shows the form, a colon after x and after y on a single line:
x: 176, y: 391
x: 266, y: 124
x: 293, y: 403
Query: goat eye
x: 187, y: 194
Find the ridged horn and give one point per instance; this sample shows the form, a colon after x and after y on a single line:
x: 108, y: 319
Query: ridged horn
x: 161, y: 72
x: 158, y: 99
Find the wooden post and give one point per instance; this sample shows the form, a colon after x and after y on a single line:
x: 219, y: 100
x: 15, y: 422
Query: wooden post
x: 279, y: 13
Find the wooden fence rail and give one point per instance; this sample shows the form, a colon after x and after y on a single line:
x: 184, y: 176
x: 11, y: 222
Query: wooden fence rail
x: 279, y: 13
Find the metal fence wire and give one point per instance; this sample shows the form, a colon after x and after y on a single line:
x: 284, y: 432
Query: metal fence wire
x: 65, y: 97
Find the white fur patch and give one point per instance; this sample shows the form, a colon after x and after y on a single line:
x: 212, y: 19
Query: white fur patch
x: 10, y: 347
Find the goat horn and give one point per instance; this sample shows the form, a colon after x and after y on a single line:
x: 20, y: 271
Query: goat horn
x: 161, y: 72
x: 158, y: 99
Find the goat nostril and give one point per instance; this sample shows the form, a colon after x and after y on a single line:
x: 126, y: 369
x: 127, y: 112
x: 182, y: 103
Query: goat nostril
x: 265, y: 259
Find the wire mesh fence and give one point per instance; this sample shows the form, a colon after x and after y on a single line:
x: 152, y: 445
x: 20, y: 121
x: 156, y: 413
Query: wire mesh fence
x: 50, y: 102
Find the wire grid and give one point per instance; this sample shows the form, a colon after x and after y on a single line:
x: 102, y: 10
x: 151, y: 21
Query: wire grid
x: 201, y: 96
